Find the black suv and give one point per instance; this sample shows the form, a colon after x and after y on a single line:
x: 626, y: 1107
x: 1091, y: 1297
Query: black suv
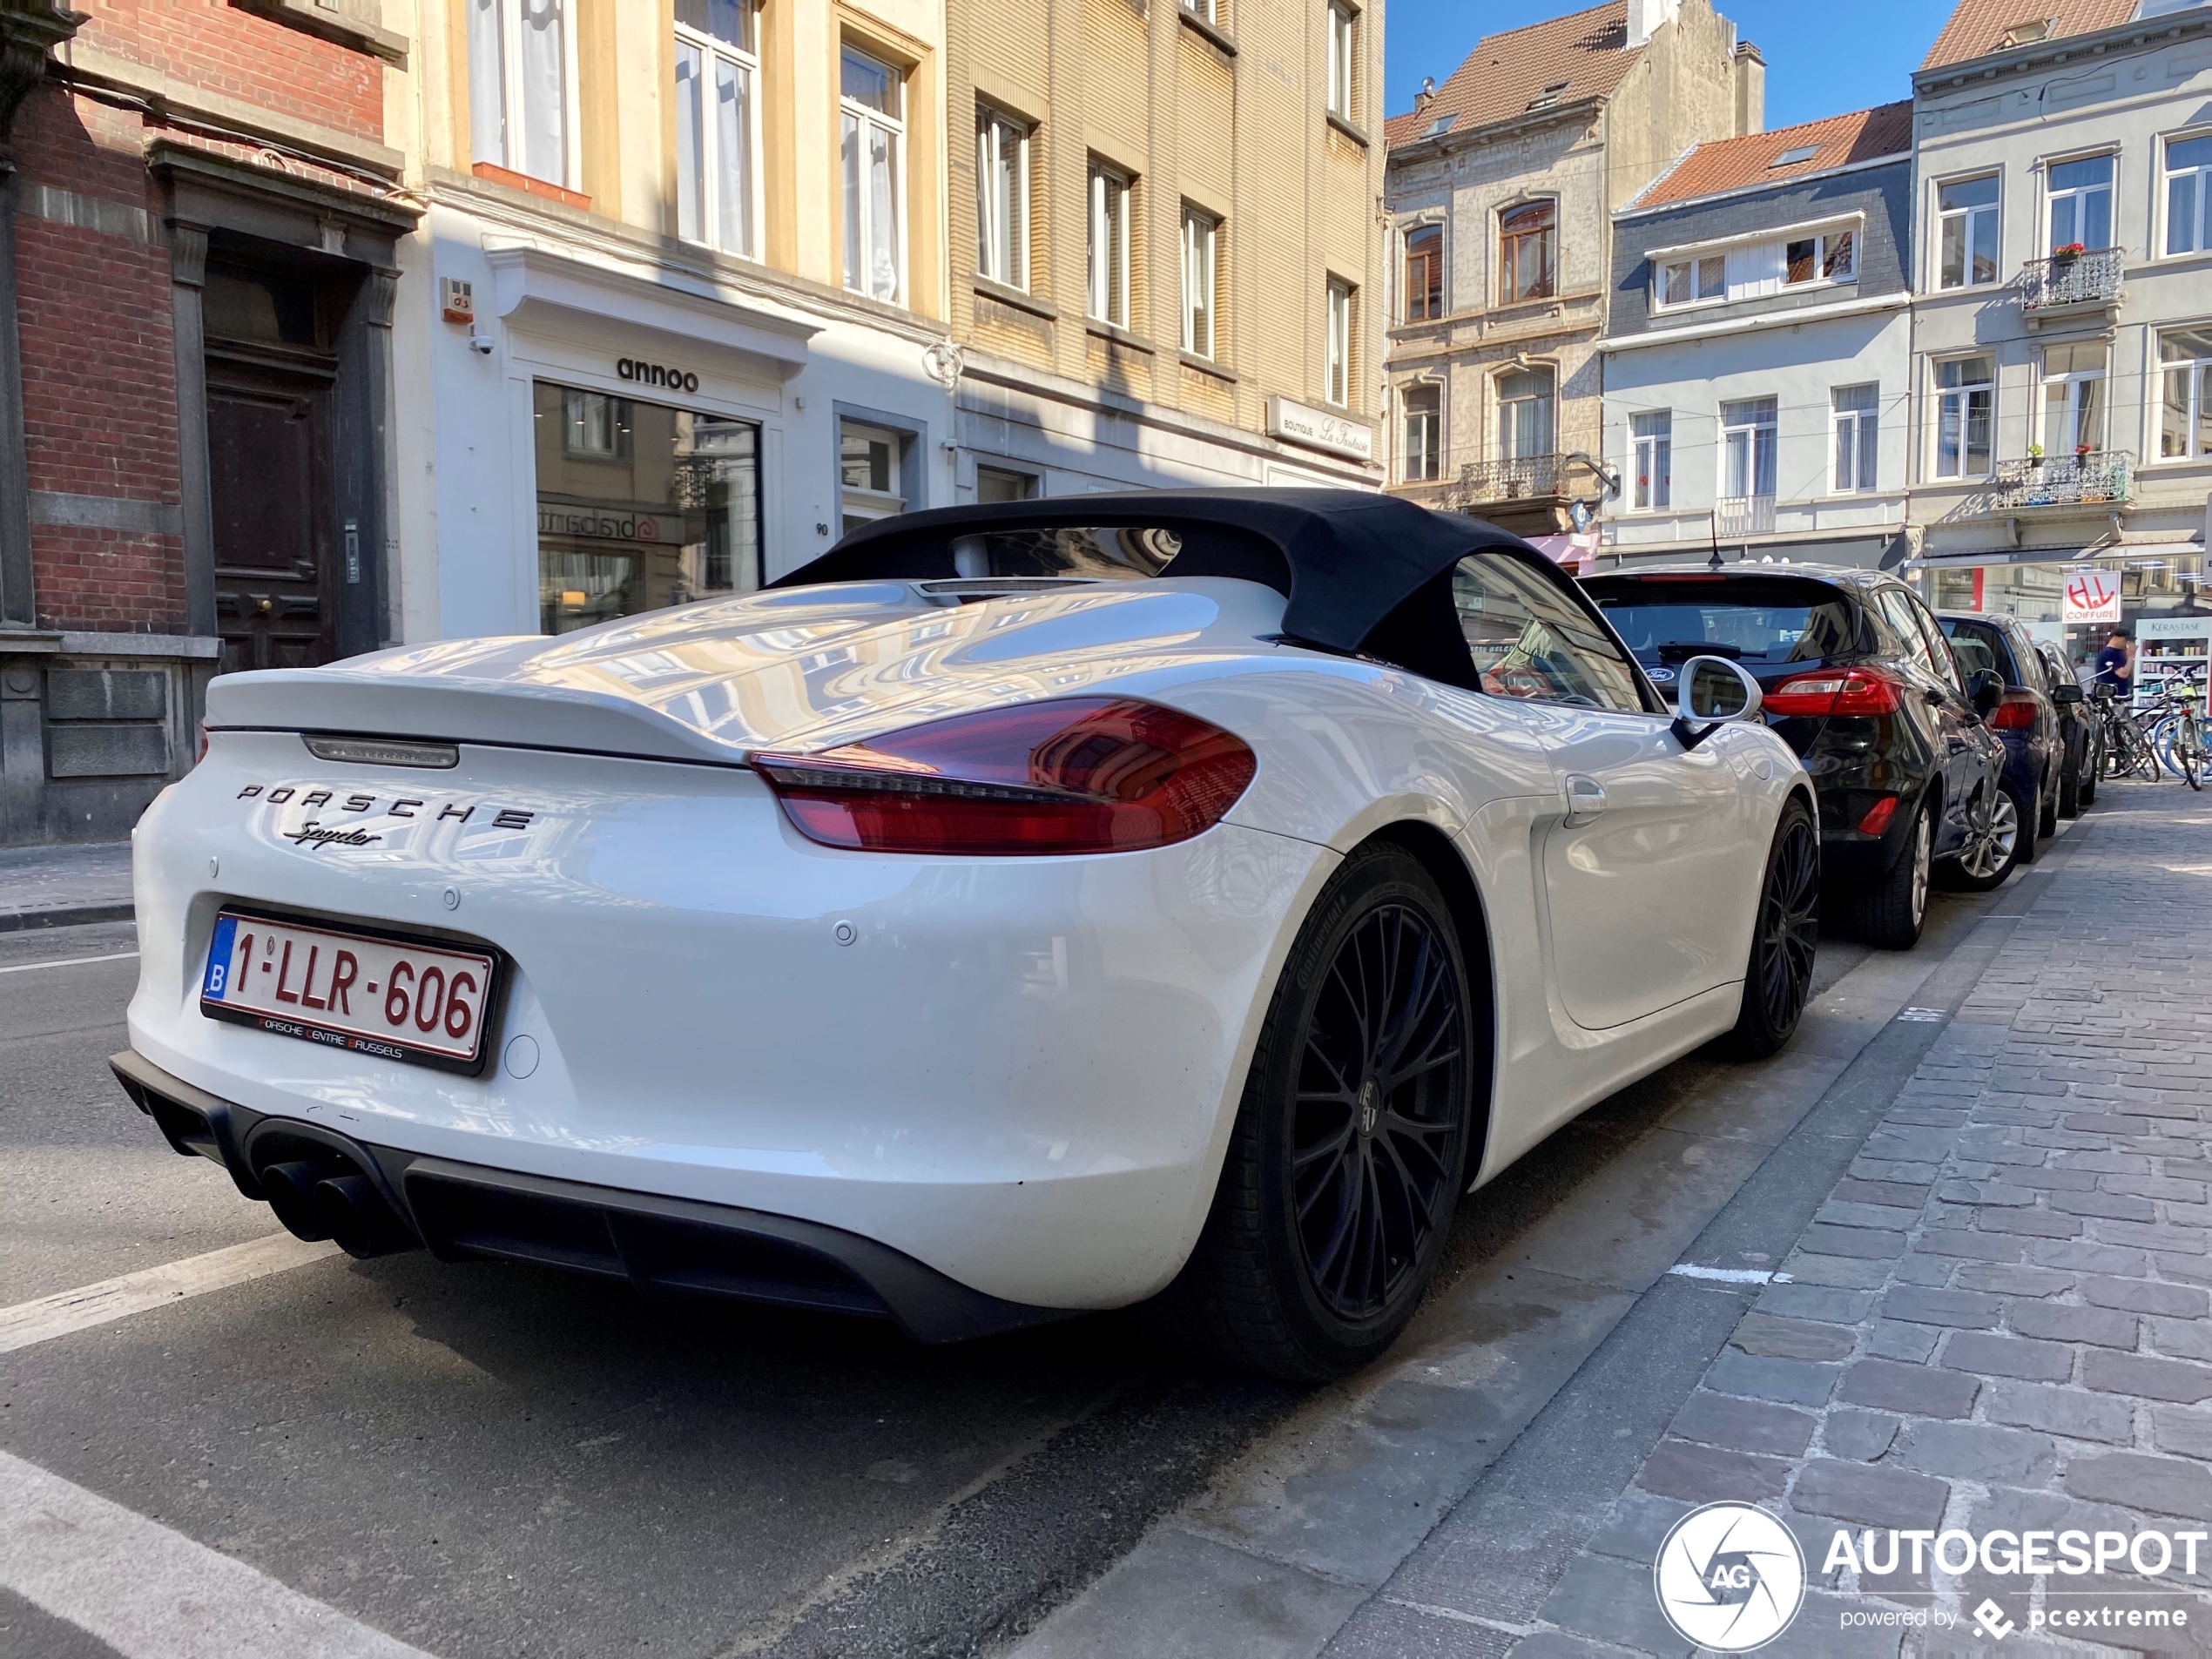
x: 1859, y: 678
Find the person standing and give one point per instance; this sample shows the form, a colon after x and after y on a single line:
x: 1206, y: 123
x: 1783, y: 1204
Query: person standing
x: 2116, y: 663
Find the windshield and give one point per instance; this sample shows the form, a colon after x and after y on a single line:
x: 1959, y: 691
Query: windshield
x: 1669, y: 622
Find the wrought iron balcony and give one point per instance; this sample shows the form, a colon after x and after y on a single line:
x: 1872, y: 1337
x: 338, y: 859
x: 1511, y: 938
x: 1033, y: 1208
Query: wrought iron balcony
x: 2091, y: 278
x: 2093, y: 477
x: 1521, y: 478
x: 1736, y: 516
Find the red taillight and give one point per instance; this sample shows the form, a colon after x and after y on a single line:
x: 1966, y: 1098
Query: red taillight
x: 1877, y: 821
x: 1852, y: 691
x: 2015, y: 713
x: 1077, y: 775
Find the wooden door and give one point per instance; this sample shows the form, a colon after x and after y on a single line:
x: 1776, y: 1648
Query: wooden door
x: 269, y: 483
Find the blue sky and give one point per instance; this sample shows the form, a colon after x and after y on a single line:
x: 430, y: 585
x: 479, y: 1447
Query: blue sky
x: 1821, y: 59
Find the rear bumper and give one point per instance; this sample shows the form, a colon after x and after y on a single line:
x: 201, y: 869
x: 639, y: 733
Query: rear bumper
x: 659, y: 1244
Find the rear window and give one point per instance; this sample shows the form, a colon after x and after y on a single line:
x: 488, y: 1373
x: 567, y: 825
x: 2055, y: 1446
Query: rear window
x: 1755, y: 622
x: 1128, y: 551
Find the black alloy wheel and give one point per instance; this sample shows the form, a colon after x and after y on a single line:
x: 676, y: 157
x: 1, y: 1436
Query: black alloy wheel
x: 1352, y: 1142
x: 1785, y: 939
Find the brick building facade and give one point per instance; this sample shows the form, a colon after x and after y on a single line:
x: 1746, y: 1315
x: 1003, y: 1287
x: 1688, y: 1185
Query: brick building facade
x: 196, y: 286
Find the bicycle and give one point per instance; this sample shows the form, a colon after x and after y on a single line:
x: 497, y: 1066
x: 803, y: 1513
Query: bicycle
x: 2174, y: 730
x: 2128, y: 752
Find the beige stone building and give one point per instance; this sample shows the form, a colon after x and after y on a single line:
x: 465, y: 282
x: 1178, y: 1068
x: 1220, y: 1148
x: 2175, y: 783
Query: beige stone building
x: 1502, y: 183
x: 1164, y: 255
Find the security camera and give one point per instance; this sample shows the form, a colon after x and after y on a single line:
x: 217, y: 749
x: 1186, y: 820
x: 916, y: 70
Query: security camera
x: 481, y: 344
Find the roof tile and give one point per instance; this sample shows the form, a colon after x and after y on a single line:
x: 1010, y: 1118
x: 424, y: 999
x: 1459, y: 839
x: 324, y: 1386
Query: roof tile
x: 1978, y: 27
x: 1581, y: 56
x: 1742, y: 164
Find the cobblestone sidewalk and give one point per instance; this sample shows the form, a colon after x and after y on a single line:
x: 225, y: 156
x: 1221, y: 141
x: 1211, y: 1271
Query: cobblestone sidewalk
x: 1998, y: 1319
x: 52, y: 887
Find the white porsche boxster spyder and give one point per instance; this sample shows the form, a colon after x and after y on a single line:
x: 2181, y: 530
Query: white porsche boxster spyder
x: 1020, y: 910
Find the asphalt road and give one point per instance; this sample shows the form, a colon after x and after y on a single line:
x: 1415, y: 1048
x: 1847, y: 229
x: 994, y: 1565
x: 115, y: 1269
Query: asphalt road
x: 491, y: 1460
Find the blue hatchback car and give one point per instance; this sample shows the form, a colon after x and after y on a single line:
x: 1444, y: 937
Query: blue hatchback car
x: 2027, y: 718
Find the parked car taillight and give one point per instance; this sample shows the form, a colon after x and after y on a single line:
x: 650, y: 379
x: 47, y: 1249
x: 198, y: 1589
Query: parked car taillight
x: 1850, y: 691
x: 2015, y: 713
x: 1076, y: 775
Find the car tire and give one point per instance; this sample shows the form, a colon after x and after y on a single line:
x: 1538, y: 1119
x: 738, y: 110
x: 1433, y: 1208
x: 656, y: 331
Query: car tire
x: 2085, y: 783
x: 2030, y: 812
x: 1992, y: 849
x: 1778, y: 977
x: 2070, y: 802
x: 1894, y: 909
x: 2047, y: 825
x: 1307, y: 1268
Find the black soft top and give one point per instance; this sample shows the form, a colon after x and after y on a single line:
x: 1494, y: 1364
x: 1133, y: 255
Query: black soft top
x: 1345, y: 559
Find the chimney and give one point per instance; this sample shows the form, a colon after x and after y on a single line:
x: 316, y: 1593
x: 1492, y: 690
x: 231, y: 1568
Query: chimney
x: 1427, y: 96
x: 1750, y: 90
x: 1646, y: 16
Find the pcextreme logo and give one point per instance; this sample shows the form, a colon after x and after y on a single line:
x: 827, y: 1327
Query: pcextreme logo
x: 1730, y: 1577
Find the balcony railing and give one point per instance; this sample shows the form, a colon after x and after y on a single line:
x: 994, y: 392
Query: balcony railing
x: 1518, y: 479
x: 2072, y: 279
x: 1735, y: 516
x: 2092, y: 476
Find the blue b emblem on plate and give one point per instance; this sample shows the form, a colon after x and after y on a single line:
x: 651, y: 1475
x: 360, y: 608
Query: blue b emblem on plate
x: 219, y: 958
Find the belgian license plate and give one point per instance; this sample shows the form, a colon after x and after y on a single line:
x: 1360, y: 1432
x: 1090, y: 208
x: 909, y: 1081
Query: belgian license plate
x: 394, y: 998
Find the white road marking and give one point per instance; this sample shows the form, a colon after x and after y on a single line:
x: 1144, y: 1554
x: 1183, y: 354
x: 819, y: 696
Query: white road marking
x: 68, y: 961
x: 118, y: 1299
x: 1729, y: 1275
x: 1924, y: 1016
x: 151, y: 1592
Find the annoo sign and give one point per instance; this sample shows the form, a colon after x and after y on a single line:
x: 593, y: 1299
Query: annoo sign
x: 2092, y: 596
x: 1318, y: 429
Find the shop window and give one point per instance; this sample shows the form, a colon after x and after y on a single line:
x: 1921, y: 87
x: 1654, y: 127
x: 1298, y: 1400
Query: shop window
x: 1003, y: 484
x: 1525, y: 414
x: 872, y: 105
x: 1343, y: 59
x: 1966, y: 232
x: 716, y: 123
x: 1425, y: 273
x: 519, y: 81
x: 1422, y: 407
x: 1109, y: 250
x: 872, y: 469
x: 1001, y: 198
x: 1336, y: 386
x: 1528, y: 252
x: 2188, y: 195
x: 640, y: 506
x: 2185, y: 413
x: 1651, y: 443
x: 2081, y: 203
x: 1749, y: 447
x: 2074, y: 398
x: 1858, y: 437
x: 1966, y: 412
x: 1201, y: 240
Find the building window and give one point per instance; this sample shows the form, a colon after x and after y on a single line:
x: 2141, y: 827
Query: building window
x: 1344, y: 34
x: 1687, y: 282
x: 2081, y: 204
x: 1525, y: 424
x: 639, y: 506
x: 1425, y: 273
x: 1748, y: 448
x: 1423, y: 408
x: 1108, y: 248
x: 1651, y: 444
x: 716, y: 66
x: 1201, y: 237
x: 1000, y: 483
x: 518, y: 87
x: 1966, y: 411
x: 1208, y: 9
x: 1832, y: 258
x: 1337, y: 372
x: 873, y: 104
x: 2073, y: 399
x: 2188, y: 195
x: 1528, y: 252
x: 2185, y: 425
x: 871, y: 464
x: 1966, y: 232
x: 1001, y: 199
x: 1858, y: 437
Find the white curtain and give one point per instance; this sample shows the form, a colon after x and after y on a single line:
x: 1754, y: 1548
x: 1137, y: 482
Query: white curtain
x: 734, y: 142
x: 544, y: 82
x: 691, y: 143
x: 486, y: 83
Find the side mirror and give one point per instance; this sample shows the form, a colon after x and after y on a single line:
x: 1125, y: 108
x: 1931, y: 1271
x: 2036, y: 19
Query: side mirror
x: 1710, y: 692
x: 1984, y: 689
x: 2066, y: 695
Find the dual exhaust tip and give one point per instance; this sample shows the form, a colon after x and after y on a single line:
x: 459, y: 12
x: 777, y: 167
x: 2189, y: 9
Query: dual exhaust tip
x: 327, y: 1197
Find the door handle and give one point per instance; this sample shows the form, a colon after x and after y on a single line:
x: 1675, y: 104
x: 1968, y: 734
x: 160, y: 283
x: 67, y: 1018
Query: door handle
x: 1585, y: 800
